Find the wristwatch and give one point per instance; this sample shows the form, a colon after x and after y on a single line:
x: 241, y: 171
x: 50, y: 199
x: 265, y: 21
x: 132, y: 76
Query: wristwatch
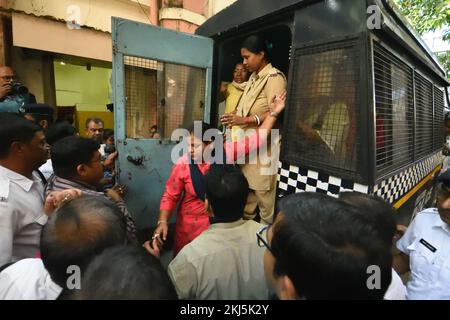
x: 273, y: 114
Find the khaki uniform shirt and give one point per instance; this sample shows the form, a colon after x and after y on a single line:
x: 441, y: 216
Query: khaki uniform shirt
x: 224, y: 262
x: 258, y: 94
x: 21, y: 215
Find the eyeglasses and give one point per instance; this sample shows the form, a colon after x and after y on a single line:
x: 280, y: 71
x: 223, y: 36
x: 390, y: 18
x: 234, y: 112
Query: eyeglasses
x: 262, y: 240
x: 8, y: 78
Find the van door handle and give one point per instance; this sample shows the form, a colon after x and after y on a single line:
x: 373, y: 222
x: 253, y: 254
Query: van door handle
x: 137, y: 161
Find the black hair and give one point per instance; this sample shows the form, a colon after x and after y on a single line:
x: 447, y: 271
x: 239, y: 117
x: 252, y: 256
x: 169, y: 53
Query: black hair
x: 227, y: 191
x: 125, y: 273
x: 256, y: 44
x: 39, y: 117
x: 69, y: 152
x: 95, y: 120
x: 39, y: 112
x: 326, y: 247
x: 378, y: 211
x: 14, y: 128
x: 78, y: 231
x: 107, y: 133
x: 203, y: 126
x: 58, y: 131
x: 442, y: 189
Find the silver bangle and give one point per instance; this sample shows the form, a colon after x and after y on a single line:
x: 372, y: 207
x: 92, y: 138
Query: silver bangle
x: 258, y: 121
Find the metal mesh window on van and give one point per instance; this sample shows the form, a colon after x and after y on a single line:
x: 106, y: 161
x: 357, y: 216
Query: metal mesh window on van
x: 141, y: 97
x: 161, y: 97
x: 322, y: 123
x: 424, y: 116
x: 394, y: 111
x: 438, y: 118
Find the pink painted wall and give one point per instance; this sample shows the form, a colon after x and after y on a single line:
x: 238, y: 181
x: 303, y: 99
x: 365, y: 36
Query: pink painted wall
x: 197, y: 6
x: 178, y: 25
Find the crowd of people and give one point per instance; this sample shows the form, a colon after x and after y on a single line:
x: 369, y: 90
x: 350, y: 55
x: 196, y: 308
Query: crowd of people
x: 66, y: 232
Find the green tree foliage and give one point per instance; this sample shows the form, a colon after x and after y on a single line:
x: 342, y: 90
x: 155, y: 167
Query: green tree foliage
x: 429, y: 15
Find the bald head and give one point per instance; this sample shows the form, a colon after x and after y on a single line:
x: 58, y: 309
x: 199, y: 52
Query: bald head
x: 77, y: 232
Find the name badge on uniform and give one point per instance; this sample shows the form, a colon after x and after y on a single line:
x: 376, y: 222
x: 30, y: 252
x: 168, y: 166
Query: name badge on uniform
x: 427, y: 245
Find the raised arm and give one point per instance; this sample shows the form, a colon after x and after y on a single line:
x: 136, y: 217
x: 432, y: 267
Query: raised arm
x: 234, y: 149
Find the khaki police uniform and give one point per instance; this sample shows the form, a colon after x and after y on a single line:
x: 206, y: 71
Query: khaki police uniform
x: 258, y: 93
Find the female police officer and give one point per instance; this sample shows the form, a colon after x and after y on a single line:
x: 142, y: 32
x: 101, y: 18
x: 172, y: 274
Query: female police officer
x: 264, y: 84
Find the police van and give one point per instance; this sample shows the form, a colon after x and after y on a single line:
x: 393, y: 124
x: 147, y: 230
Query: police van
x: 375, y: 92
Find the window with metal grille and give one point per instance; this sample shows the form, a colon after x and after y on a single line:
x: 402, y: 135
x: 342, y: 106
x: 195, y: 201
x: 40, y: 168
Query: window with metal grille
x: 394, y: 111
x: 424, y: 116
x: 439, y: 137
x: 162, y: 95
x: 322, y: 123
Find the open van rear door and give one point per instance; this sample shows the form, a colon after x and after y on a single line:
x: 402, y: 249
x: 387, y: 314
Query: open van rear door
x: 161, y: 81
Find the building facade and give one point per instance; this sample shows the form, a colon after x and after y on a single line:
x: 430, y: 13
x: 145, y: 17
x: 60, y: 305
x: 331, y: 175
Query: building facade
x: 62, y: 49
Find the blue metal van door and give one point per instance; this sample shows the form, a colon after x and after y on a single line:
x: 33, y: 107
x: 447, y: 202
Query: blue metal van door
x: 161, y: 82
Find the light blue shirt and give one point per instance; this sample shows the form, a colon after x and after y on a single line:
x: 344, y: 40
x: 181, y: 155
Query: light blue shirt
x: 427, y: 243
x: 12, y: 103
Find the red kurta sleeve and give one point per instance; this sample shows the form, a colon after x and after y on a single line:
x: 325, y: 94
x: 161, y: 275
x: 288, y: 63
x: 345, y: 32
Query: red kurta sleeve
x: 237, y: 149
x: 174, y: 188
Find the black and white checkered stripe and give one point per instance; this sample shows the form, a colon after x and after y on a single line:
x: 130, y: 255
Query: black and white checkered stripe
x: 292, y: 179
x: 398, y: 185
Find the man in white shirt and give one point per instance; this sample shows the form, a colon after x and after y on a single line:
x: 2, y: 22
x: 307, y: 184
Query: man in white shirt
x: 27, y: 279
x: 425, y: 249
x: 42, y: 115
x: 23, y: 149
x: 81, y: 229
x: 225, y: 261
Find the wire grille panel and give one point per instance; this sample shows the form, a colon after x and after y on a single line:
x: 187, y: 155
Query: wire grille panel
x: 439, y: 137
x: 322, y: 122
x: 140, y: 92
x: 160, y: 94
x: 394, y: 111
x: 184, y: 96
x: 424, y: 116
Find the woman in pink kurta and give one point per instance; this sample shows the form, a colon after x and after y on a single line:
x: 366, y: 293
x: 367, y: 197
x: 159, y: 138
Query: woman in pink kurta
x: 192, y: 218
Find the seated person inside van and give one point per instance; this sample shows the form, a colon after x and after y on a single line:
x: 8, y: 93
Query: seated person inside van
x: 326, y: 128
